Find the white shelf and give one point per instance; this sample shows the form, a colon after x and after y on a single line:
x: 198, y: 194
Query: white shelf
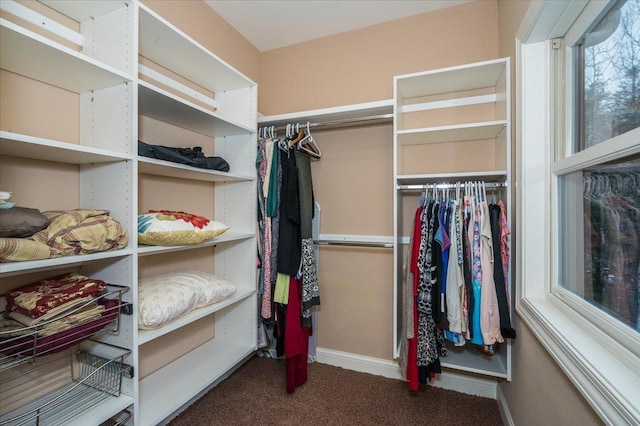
x: 100, y: 413
x: 163, y: 106
x: 58, y: 262
x: 25, y: 146
x: 487, y: 176
x: 454, y: 133
x: 187, y: 377
x: 29, y: 54
x: 453, y: 79
x: 166, y: 45
x: 82, y: 11
x: 449, y: 103
x: 151, y: 166
x: 99, y: 408
x: 227, y: 237
x: 468, y: 359
x: 241, y: 293
x: 324, y: 115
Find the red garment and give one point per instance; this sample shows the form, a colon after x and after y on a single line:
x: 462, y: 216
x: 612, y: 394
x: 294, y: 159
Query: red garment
x: 296, y: 341
x: 412, y: 355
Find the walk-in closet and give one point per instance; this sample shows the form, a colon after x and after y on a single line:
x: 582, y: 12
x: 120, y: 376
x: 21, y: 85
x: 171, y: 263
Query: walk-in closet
x: 320, y: 212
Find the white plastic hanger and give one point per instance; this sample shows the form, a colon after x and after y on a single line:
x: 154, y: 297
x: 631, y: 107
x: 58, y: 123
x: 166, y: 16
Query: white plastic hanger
x: 308, y: 145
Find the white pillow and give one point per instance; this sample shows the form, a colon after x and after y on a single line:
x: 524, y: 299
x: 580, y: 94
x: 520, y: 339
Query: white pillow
x: 163, y: 298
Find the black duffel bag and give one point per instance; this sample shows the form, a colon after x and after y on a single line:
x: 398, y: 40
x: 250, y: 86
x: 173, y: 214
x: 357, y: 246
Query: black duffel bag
x: 190, y: 156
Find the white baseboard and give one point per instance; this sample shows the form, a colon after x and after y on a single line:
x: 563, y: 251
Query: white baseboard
x: 504, y: 409
x: 381, y: 367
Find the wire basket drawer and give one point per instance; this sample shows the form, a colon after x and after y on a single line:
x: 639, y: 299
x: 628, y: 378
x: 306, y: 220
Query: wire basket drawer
x: 55, y: 389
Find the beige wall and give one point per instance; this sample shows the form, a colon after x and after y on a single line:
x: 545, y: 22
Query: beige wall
x: 353, y: 184
x: 359, y: 66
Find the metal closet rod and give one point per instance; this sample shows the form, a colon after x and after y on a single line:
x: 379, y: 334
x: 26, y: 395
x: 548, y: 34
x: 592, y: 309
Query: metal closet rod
x: 352, y: 243
x: 346, y: 122
x: 448, y: 186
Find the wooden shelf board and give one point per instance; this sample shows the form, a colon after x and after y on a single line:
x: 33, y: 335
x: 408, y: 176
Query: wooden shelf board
x: 330, y: 114
x: 468, y: 359
x: 29, y: 54
x: 454, y: 133
x: 452, y: 79
x: 169, y: 47
x: 58, y: 262
x: 487, y: 176
x: 151, y: 166
x: 82, y: 11
x: 227, y: 237
x: 169, y: 108
x: 25, y: 146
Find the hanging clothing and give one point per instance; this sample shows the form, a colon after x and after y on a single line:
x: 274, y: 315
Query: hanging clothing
x: 296, y: 344
x: 286, y: 255
x: 428, y: 351
x: 476, y: 274
x: 455, y: 277
x: 310, y: 288
x: 455, y: 287
x: 489, y: 313
x: 497, y: 232
x: 290, y: 240
x: 409, y: 345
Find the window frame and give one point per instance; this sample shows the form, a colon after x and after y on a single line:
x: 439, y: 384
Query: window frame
x: 600, y: 358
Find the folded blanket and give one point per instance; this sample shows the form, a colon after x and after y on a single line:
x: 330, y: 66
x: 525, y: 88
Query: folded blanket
x: 22, y: 325
x: 81, y: 231
x: 61, y: 292
x: 28, y: 345
x: 84, y: 315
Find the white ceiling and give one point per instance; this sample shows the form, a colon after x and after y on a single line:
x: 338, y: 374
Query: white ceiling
x: 270, y: 24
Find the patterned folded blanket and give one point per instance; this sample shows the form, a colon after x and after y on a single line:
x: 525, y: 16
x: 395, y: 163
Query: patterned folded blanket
x: 71, y: 232
x: 15, y: 325
x: 53, y: 294
x: 62, y: 338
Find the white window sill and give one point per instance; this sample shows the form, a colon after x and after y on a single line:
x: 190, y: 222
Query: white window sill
x: 611, y: 387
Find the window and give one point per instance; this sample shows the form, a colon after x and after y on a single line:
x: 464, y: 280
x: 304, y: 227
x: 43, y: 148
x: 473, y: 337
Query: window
x: 607, y: 61
x: 578, y: 224
x: 598, y: 191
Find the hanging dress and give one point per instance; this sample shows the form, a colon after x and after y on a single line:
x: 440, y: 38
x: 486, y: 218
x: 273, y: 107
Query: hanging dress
x: 489, y: 312
x: 498, y: 272
x: 296, y: 342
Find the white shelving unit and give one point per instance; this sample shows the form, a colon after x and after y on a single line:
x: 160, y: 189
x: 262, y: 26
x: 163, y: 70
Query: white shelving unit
x: 100, y: 64
x: 450, y: 125
x: 93, y: 64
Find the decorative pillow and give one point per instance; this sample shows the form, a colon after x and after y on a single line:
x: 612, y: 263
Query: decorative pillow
x: 21, y: 222
x: 163, y: 298
x: 168, y: 228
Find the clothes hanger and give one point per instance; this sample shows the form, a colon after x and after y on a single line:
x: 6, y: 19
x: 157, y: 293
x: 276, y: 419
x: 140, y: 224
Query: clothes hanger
x: 484, y: 191
x: 298, y: 138
x: 308, y: 145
